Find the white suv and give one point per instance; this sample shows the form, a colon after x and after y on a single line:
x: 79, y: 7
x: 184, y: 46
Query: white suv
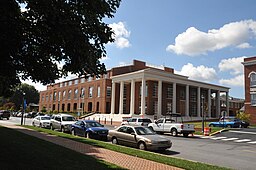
x: 137, y: 122
x: 62, y: 122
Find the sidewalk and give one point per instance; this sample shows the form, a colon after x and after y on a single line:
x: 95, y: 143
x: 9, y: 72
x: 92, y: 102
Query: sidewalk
x: 122, y: 160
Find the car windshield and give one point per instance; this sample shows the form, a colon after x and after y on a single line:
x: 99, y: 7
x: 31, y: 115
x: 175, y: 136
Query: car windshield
x: 45, y: 118
x: 68, y: 118
x: 93, y: 124
x: 145, y: 120
x: 144, y: 131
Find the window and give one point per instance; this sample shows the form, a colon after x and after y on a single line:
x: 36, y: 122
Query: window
x: 253, y: 99
x: 65, y: 84
x: 82, y: 80
x: 169, y: 107
x: 46, y: 98
x: 75, y: 93
x: 90, y: 92
x: 50, y: 97
x: 154, y: 90
x: 82, y: 93
x: 252, y: 79
x: 63, y: 95
x: 182, y: 94
x: 169, y: 91
x: 193, y: 96
x: 59, y: 94
x: 70, y: 83
x: 54, y: 95
x: 61, y: 85
x: 155, y: 107
x: 98, y: 91
x: 108, y: 91
x: 69, y: 94
x: 146, y: 95
x: 42, y: 98
x: 90, y: 79
x: 76, y: 81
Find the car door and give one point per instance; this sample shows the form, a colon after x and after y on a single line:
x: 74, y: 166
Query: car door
x: 129, y: 137
x: 57, y: 122
x: 81, y: 128
x: 159, y: 126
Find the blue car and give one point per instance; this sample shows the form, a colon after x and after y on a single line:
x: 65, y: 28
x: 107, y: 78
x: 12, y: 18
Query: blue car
x: 89, y: 129
x: 228, y: 123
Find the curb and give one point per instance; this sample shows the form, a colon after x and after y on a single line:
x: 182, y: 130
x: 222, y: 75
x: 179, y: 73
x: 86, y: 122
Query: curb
x: 220, y: 131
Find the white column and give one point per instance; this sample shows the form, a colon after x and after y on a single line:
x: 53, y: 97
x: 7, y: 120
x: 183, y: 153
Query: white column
x: 132, y: 100
x: 209, y: 103
x: 159, y: 109
x: 174, y: 98
x: 113, y: 95
x: 227, y: 103
x: 121, y: 101
x: 143, y: 94
x: 198, y: 102
x: 187, y: 100
x: 218, y: 103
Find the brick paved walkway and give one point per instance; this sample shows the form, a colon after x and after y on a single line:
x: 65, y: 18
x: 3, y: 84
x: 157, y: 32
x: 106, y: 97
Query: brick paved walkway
x: 122, y: 160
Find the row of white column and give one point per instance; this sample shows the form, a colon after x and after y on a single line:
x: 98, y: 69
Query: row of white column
x: 159, y: 113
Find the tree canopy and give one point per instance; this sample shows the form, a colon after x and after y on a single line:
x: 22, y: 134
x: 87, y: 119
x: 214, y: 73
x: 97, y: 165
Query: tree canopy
x: 51, y: 38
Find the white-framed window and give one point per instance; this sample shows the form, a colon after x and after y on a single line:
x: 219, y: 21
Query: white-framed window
x: 146, y: 95
x: 252, y: 77
x: 108, y: 91
x: 64, y: 95
x: 65, y: 84
x: 155, y: 85
x: 82, y: 92
x: 61, y: 84
x: 69, y: 94
x: 90, y: 78
x: 76, y: 81
x: 169, y: 91
x: 46, y: 98
x: 75, y: 93
x: 155, y: 107
x: 42, y: 98
x: 59, y: 94
x: 253, y: 99
x: 169, y: 107
x: 82, y: 80
x: 90, y: 92
x: 54, y: 95
x: 193, y: 95
x: 98, y: 91
x: 70, y: 83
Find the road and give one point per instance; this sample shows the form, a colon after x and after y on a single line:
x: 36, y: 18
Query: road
x: 235, y: 149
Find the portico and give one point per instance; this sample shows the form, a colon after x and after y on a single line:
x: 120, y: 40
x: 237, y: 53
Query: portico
x: 154, y: 92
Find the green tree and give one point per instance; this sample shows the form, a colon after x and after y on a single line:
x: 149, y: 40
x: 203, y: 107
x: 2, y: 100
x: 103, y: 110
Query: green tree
x: 243, y: 116
x: 28, y: 92
x: 34, y: 43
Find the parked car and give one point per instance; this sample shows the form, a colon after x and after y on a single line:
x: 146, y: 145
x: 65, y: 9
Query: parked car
x: 137, y: 122
x: 62, y: 122
x: 89, y: 129
x: 228, y: 123
x: 140, y: 137
x: 172, y: 123
x: 242, y: 124
x: 42, y: 121
x: 5, y: 114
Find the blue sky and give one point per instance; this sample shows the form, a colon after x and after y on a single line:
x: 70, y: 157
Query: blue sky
x: 205, y: 40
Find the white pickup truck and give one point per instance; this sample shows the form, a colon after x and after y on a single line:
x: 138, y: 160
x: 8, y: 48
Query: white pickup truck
x: 172, y: 125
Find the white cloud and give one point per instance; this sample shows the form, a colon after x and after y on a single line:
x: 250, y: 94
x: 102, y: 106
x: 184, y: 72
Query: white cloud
x: 234, y: 65
x: 201, y: 72
x: 194, y: 42
x: 236, y: 81
x: 121, y: 35
x: 244, y: 45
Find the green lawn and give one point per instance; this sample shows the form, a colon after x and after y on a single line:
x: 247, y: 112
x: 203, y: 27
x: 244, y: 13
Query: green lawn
x: 198, y: 127
x: 190, y: 165
x: 21, y: 151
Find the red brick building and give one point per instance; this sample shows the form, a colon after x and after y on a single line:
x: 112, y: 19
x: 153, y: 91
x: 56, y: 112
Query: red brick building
x: 250, y: 87
x: 136, y: 89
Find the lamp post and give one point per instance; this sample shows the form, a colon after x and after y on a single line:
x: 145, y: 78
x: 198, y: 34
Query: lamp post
x: 23, y: 107
x: 202, y: 97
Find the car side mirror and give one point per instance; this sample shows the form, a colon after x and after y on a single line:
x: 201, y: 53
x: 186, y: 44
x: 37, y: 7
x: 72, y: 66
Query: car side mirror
x: 102, y: 125
x: 133, y: 134
x: 155, y: 122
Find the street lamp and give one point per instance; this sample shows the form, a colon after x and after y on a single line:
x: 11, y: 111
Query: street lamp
x: 23, y: 107
x: 202, y: 97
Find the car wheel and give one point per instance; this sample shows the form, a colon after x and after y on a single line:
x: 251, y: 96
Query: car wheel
x: 174, y: 132
x: 51, y: 127
x: 114, y: 140
x: 33, y: 123
x: 211, y: 125
x: 142, y: 146
x: 7, y: 118
x: 40, y: 125
x: 151, y: 128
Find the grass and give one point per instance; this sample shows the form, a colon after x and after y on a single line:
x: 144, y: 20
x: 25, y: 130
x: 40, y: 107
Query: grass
x: 189, y: 165
x: 198, y: 127
x: 21, y: 151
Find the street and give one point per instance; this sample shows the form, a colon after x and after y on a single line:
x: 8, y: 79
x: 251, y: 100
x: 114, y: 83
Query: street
x: 235, y: 149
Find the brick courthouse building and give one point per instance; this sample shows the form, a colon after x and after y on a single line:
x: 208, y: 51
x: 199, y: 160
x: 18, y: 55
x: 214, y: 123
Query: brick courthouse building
x: 136, y: 89
x: 250, y: 87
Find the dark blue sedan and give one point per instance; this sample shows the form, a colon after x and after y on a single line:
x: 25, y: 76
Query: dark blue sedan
x: 89, y: 129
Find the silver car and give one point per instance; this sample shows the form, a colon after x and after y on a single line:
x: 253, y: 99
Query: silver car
x: 139, y: 137
x: 42, y: 121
